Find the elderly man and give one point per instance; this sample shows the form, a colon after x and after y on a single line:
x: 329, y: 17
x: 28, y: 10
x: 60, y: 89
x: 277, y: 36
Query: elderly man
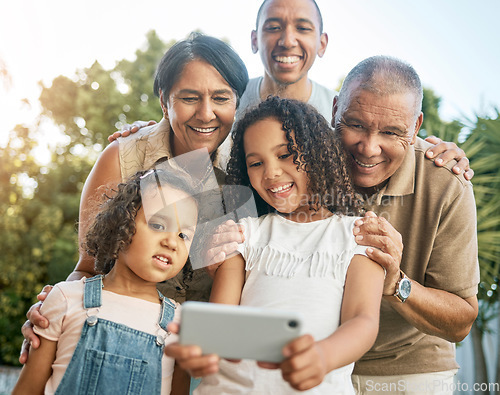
x: 430, y: 288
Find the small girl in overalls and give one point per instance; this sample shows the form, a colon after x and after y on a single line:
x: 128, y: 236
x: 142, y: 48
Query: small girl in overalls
x: 141, y: 236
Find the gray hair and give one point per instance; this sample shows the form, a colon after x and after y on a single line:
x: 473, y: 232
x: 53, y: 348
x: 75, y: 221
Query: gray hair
x: 382, y: 75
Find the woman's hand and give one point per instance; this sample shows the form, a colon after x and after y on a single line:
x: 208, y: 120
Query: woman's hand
x: 224, y: 243
x: 34, y: 318
x: 445, y: 152
x: 128, y: 129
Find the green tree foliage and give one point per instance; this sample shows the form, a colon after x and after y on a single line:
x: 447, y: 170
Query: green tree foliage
x: 97, y: 102
x: 138, y: 76
x: 480, y: 139
x: 39, y: 204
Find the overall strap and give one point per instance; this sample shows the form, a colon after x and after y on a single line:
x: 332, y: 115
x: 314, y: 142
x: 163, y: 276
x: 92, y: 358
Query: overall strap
x: 92, y: 292
x: 167, y: 311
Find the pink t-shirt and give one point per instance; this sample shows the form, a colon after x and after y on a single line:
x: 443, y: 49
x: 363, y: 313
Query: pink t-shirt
x: 64, y: 310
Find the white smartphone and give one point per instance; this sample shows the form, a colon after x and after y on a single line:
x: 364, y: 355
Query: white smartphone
x: 239, y: 332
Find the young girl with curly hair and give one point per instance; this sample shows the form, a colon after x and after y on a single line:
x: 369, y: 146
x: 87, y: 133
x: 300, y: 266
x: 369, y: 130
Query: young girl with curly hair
x: 299, y: 254
x: 107, y: 333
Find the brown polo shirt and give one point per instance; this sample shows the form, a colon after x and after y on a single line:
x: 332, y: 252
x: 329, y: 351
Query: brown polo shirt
x: 435, y: 212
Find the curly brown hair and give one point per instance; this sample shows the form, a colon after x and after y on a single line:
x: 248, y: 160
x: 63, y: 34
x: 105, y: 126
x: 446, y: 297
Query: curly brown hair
x: 114, y: 226
x: 315, y: 149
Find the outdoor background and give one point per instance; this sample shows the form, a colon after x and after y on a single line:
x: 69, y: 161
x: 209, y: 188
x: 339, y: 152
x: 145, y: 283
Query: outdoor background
x: 73, y: 72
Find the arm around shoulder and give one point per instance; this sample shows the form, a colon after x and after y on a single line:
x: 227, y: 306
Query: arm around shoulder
x: 37, y: 370
x: 446, y: 304
x: 106, y: 173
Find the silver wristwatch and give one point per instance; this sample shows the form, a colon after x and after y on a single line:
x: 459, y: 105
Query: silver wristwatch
x: 403, y: 287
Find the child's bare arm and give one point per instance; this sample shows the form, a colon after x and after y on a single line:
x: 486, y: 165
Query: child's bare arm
x: 228, y: 281
x: 37, y: 369
x: 180, y: 381
x: 308, y: 361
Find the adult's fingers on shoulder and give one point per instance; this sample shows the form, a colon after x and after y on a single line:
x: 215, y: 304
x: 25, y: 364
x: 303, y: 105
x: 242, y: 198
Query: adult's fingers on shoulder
x: 461, y: 166
x: 453, y: 153
x: 30, y: 336
x: 370, y: 214
x: 228, y: 236
x: 433, y: 139
x: 44, y: 292
x: 374, y: 225
x: 23, y: 355
x: 385, y: 244
x: 34, y: 311
x: 469, y: 174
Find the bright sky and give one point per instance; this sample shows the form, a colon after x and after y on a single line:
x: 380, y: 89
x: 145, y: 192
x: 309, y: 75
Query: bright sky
x: 453, y: 45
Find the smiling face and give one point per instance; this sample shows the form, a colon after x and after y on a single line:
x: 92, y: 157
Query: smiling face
x: 376, y: 131
x: 271, y: 170
x: 201, y: 108
x: 288, y: 38
x: 161, y: 243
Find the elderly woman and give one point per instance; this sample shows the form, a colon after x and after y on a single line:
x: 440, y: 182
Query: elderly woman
x: 199, y: 82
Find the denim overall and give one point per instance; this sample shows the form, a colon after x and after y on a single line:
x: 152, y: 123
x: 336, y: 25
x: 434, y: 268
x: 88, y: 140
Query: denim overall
x: 111, y: 358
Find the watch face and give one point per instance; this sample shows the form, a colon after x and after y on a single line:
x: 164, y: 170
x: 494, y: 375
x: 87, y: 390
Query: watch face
x: 404, y: 288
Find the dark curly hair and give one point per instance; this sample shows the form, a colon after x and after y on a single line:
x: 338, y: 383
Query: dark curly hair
x: 315, y: 148
x: 113, y: 228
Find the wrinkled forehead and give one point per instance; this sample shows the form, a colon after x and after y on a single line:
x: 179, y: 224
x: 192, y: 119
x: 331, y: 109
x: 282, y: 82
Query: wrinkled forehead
x: 377, y: 101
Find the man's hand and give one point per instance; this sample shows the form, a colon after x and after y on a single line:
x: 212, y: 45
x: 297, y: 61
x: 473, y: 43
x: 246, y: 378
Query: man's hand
x: 128, y: 129
x: 385, y: 246
x: 34, y: 318
x: 190, y: 358
x: 223, y: 245
x: 445, y: 152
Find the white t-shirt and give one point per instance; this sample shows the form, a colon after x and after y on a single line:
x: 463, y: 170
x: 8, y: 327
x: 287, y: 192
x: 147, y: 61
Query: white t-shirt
x: 321, y: 98
x: 64, y: 310
x: 292, y: 266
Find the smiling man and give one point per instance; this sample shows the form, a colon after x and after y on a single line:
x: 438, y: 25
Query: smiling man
x: 430, y: 288
x: 289, y: 36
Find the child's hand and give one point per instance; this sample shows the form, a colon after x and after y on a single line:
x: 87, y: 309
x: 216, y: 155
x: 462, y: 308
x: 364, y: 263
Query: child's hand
x: 190, y: 358
x: 305, y: 363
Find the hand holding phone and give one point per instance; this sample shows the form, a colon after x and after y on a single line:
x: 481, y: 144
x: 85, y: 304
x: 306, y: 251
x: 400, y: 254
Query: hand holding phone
x: 239, y: 332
